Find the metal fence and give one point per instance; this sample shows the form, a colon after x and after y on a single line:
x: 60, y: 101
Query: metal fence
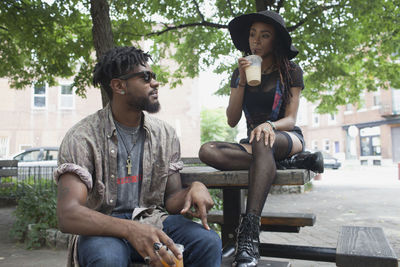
x: 41, y: 177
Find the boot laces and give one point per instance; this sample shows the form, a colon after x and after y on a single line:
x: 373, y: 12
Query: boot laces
x: 248, y: 237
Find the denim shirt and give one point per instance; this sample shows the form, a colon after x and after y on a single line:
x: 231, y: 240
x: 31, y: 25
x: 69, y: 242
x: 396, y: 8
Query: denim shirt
x: 90, y: 149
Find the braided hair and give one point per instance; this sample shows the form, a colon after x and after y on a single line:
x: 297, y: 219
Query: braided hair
x: 284, y: 66
x: 117, y: 62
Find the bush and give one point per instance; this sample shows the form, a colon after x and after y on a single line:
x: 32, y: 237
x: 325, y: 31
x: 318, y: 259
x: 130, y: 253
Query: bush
x: 8, y: 188
x: 36, y: 209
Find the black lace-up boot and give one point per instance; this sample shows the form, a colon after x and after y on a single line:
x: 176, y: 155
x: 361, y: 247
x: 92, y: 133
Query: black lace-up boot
x: 248, y: 240
x: 303, y: 160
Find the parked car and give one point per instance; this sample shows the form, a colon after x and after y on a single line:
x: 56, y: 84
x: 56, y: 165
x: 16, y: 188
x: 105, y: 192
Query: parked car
x: 330, y: 161
x: 38, y: 156
x: 37, y: 162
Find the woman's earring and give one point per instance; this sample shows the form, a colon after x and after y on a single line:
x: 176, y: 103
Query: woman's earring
x: 122, y: 92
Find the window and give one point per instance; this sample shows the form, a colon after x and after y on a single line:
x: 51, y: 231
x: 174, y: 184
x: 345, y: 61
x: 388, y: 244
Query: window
x: 396, y: 100
x: 377, y: 99
x: 314, y: 145
x: 331, y: 118
x: 3, y: 146
x: 361, y: 105
x: 327, y: 145
x: 66, y: 100
x: 370, y: 141
x: 30, y: 156
x: 51, y: 155
x: 39, y: 96
x: 24, y: 147
x: 348, y: 108
x: 370, y: 146
x: 337, y: 148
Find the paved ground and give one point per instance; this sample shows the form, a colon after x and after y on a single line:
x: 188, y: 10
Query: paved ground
x: 362, y: 196
x: 356, y: 196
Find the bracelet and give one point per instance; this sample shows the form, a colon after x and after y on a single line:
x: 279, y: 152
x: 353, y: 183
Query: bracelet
x: 272, y: 125
x: 240, y: 85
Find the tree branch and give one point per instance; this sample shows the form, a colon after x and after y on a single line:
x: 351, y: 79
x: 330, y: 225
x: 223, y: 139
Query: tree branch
x: 198, y: 10
x: 171, y: 28
x: 3, y: 28
x: 230, y: 8
x: 280, y: 5
x: 314, y: 10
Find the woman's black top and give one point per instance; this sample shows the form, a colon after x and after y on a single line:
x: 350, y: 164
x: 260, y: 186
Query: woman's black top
x: 265, y: 101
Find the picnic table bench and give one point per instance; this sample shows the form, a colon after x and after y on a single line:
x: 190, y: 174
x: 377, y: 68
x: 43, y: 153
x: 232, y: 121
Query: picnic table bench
x: 357, y: 246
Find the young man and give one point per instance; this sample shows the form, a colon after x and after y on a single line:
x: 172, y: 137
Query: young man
x: 118, y: 178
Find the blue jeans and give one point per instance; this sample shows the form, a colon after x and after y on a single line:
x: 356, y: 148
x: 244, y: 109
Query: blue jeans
x: 202, y: 247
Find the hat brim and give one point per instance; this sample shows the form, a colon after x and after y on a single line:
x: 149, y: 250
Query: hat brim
x: 239, y: 29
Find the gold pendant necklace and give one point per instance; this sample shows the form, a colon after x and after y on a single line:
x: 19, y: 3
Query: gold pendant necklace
x: 128, y: 160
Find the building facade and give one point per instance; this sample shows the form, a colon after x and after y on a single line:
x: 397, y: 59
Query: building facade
x: 368, y: 133
x: 41, y: 115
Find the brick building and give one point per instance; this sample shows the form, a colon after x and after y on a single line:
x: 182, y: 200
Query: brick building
x: 41, y: 115
x: 368, y: 133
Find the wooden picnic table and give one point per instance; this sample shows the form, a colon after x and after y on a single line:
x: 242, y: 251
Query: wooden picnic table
x: 357, y: 246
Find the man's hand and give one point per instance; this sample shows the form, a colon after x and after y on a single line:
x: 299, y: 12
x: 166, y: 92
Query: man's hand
x: 143, y: 238
x: 198, y: 197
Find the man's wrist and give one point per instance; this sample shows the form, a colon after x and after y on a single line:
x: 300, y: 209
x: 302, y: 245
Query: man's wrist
x: 271, y: 124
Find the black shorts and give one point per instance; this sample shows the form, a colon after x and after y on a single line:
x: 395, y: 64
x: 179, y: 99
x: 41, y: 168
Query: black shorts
x: 296, y: 131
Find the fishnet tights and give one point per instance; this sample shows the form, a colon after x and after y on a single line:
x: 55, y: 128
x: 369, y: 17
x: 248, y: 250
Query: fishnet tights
x: 261, y: 165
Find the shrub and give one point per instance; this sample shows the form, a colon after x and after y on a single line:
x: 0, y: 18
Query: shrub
x: 36, y: 207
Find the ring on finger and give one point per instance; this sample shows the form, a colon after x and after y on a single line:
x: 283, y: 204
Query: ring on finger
x: 147, y: 260
x: 157, y: 246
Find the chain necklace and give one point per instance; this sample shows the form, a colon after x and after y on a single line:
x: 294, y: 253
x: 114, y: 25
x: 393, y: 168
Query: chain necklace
x: 134, y: 141
x: 268, y: 69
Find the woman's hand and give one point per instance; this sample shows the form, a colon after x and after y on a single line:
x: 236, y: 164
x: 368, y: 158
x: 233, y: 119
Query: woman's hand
x: 243, y: 64
x: 269, y: 134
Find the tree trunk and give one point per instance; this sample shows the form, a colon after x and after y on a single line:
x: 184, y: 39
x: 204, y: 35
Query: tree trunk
x: 103, y: 39
x: 262, y: 5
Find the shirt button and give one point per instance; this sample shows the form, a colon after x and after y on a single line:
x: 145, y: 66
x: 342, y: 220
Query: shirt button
x: 111, y: 201
x: 112, y: 151
x: 112, y: 176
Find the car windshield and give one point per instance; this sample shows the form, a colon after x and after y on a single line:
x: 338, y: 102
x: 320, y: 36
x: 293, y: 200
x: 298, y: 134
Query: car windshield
x: 37, y: 155
x: 30, y: 156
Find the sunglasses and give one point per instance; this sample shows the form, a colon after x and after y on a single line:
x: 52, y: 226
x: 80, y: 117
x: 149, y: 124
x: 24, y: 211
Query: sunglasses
x: 146, y: 75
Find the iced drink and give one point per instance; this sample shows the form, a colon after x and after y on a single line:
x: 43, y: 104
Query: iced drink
x: 178, y: 263
x: 253, y: 72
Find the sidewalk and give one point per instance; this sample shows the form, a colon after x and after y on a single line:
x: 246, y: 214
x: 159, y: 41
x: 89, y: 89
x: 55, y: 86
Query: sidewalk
x: 362, y: 196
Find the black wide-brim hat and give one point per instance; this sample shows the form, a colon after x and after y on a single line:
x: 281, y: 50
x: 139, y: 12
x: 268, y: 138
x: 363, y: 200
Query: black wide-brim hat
x: 239, y: 29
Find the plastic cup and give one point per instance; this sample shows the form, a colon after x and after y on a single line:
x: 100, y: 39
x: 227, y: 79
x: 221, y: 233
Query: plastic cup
x: 253, y: 72
x: 178, y: 262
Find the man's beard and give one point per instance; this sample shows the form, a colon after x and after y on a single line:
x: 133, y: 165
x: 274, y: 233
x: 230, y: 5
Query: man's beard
x: 144, y: 103
x: 151, y: 107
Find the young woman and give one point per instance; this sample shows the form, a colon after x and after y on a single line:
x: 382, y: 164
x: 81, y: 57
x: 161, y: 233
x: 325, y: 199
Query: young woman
x: 270, y: 109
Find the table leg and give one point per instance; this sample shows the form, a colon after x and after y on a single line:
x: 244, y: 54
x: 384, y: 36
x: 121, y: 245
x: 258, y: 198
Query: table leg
x: 232, y: 208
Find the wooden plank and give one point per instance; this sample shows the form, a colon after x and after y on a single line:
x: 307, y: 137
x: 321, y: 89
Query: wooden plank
x: 227, y: 262
x: 8, y: 163
x: 213, y: 178
x: 364, y: 246
x: 192, y: 161
x: 272, y: 218
x: 8, y: 172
